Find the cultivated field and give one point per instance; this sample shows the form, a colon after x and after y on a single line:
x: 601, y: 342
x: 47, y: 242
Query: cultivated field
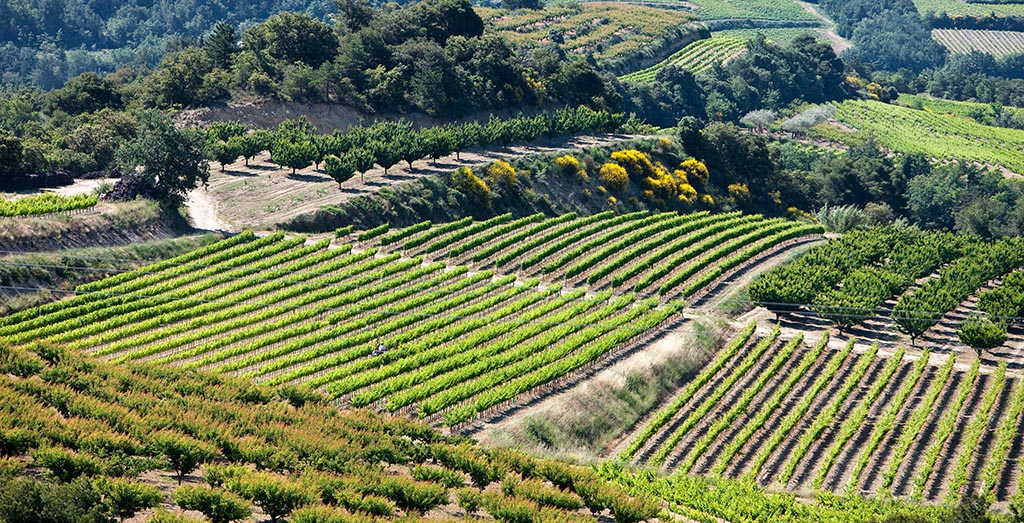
x: 960, y: 7
x: 750, y: 10
x: 698, y: 57
x: 608, y: 30
x: 396, y: 331
x: 940, y: 136
x: 995, y: 43
x: 843, y: 418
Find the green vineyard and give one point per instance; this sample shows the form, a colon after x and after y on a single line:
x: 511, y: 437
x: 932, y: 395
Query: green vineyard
x: 46, y: 203
x: 835, y: 418
x: 940, y: 136
x: 396, y: 331
x: 995, y: 43
x: 697, y: 57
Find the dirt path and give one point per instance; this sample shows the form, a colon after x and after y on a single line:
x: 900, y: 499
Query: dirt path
x: 839, y: 44
x: 203, y: 211
x: 262, y: 195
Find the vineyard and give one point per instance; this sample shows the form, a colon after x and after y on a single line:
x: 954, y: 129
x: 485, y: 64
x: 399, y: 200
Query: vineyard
x: 609, y: 30
x: 835, y: 418
x: 698, y: 57
x: 668, y: 255
x: 46, y: 203
x: 940, y: 136
x: 391, y: 330
x: 96, y: 427
x: 981, y: 112
x: 751, y: 10
x: 960, y: 7
x: 995, y: 43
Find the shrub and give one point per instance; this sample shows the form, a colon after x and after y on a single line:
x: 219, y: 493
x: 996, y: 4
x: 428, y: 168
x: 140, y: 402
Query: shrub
x: 468, y: 183
x: 537, y: 491
x: 469, y: 499
x: 66, y: 465
x: 128, y: 497
x: 501, y: 173
x: 568, y: 165
x: 183, y: 454
x: 448, y: 478
x: 981, y: 333
x: 636, y: 163
x: 217, y: 505
x: 614, y: 177
x: 277, y: 497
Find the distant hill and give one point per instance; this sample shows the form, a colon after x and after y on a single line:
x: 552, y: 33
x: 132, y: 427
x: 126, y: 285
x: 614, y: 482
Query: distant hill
x: 44, y: 42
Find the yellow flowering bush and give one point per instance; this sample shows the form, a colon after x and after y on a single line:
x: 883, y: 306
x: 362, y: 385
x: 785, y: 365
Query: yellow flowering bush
x: 614, y: 177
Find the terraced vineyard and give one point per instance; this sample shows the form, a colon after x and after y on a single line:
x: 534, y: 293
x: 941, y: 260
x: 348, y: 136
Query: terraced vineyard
x: 751, y: 10
x: 961, y: 7
x: 667, y: 254
x: 609, y: 30
x: 946, y: 137
x: 397, y: 332
x: 995, y: 43
x: 832, y: 417
x: 697, y: 57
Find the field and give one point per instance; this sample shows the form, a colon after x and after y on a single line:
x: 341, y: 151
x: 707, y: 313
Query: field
x: 608, y: 30
x: 835, y: 417
x: 979, y: 112
x: 960, y: 7
x: 995, y: 43
x: 750, y: 10
x: 940, y: 136
x: 777, y: 35
x: 46, y: 203
x: 697, y: 57
x: 396, y: 331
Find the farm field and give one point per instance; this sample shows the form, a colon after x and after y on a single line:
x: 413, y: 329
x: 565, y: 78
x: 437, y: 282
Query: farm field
x: 609, y: 30
x: 980, y: 112
x: 46, y: 203
x: 995, y: 43
x: 960, y: 7
x: 842, y: 417
x: 668, y: 255
x: 751, y: 10
x: 394, y: 330
x: 945, y: 137
x: 782, y: 35
x: 698, y: 57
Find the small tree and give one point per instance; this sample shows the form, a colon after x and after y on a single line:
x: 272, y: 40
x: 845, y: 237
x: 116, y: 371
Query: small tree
x: 217, y: 505
x: 227, y: 152
x: 295, y: 154
x: 128, y: 497
x: 385, y: 154
x: 363, y: 160
x: 183, y: 454
x: 980, y: 333
x: 758, y: 119
x: 341, y: 168
x: 169, y: 160
x: 276, y: 496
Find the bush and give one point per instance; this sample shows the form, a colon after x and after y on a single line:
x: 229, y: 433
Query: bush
x: 217, y: 505
x: 501, y: 173
x: 468, y: 183
x: 568, y: 165
x: 448, y: 478
x: 469, y: 499
x: 183, y: 454
x: 981, y: 333
x: 277, y: 497
x: 614, y: 177
x: 128, y: 497
x: 66, y: 465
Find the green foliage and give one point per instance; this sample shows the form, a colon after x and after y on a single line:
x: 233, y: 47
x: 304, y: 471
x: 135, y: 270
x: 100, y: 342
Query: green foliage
x: 217, y: 505
x: 46, y: 203
x: 341, y: 169
x: 167, y: 160
x: 183, y: 454
x: 276, y: 496
x: 981, y: 333
x: 66, y: 465
x: 126, y: 498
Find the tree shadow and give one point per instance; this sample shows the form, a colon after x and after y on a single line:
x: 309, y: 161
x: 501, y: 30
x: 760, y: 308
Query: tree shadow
x: 309, y: 178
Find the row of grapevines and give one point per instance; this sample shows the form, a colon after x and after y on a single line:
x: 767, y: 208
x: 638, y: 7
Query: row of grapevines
x: 465, y: 232
x: 912, y: 427
x: 1005, y: 434
x: 505, y: 243
x: 46, y: 203
x: 401, y: 234
x: 712, y: 400
x: 721, y: 423
x: 436, y: 232
x: 605, y: 249
x: 768, y: 408
x: 594, y: 239
x: 662, y: 417
x: 972, y: 434
x: 828, y: 415
x: 885, y: 423
x: 495, y: 232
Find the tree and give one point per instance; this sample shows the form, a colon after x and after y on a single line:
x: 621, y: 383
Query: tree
x: 217, y: 505
x: 340, y: 168
x: 438, y: 142
x: 128, y: 497
x: 363, y: 160
x: 223, y: 131
x: 294, y: 37
x: 183, y: 454
x: 222, y: 44
x: 758, y: 119
x: 385, y: 154
x: 170, y: 161
x: 979, y: 333
x: 85, y: 93
x: 295, y: 154
x: 11, y: 153
x: 227, y: 152
x: 276, y: 496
